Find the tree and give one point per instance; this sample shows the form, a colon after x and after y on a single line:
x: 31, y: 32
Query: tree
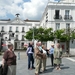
x: 41, y: 34
x: 29, y: 34
x: 65, y: 35
x: 47, y: 34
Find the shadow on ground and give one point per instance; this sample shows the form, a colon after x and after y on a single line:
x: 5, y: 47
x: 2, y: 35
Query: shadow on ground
x: 65, y: 67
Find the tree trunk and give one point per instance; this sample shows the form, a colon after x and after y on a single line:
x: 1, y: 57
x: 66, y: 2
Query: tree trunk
x: 68, y: 47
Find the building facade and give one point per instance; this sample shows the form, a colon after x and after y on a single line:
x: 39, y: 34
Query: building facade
x: 15, y: 30
x: 59, y: 15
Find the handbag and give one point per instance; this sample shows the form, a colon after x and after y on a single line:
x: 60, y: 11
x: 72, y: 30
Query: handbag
x: 1, y: 70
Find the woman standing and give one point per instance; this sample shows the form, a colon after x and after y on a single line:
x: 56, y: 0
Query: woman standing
x: 57, y: 56
x: 30, y: 52
x: 9, y: 58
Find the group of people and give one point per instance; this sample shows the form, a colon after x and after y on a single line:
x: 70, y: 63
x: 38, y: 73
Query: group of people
x: 40, y: 55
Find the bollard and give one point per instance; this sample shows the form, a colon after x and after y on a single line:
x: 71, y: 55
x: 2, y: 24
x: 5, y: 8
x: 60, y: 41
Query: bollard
x: 18, y: 55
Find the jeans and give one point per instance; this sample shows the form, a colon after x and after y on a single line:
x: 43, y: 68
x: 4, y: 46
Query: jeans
x: 30, y: 60
x: 52, y: 58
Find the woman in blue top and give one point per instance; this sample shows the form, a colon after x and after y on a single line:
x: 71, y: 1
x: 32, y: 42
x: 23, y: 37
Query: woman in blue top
x: 51, y: 53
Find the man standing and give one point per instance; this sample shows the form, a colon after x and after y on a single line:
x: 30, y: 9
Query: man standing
x: 51, y: 53
x: 30, y: 52
x: 38, y: 56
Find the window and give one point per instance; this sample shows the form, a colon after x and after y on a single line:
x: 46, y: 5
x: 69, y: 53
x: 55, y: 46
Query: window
x: 57, y: 14
x: 22, y: 44
x: 10, y: 29
x: 2, y: 28
x: 67, y: 13
x: 47, y: 17
x: 16, y: 36
x: 22, y: 36
x: 57, y: 26
x: 67, y: 25
x: 22, y: 28
x: 16, y: 28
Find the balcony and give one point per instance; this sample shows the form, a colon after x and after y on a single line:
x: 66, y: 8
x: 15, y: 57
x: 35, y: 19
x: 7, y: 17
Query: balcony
x: 10, y: 31
x: 57, y: 17
x: 68, y: 17
x: 22, y: 39
x: 16, y: 31
x: 2, y: 31
x: 23, y: 31
x: 16, y: 39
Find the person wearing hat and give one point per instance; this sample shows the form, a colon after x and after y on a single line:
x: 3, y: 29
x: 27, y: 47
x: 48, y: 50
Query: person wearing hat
x: 51, y: 53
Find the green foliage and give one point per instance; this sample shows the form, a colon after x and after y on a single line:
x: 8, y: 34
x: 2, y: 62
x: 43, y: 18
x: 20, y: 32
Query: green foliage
x: 73, y: 34
x: 40, y: 34
x: 44, y: 34
x: 29, y: 35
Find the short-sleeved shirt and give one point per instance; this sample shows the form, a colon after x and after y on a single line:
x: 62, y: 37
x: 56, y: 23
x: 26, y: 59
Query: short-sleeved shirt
x: 10, y: 57
x: 51, y: 50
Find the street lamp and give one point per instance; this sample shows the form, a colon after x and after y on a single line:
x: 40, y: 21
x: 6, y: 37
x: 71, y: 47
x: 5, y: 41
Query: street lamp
x: 33, y: 35
x: 33, y: 27
x: 12, y: 38
x: 1, y: 41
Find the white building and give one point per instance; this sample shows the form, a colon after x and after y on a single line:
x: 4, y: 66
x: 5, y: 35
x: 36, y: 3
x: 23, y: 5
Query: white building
x: 59, y: 15
x: 17, y: 26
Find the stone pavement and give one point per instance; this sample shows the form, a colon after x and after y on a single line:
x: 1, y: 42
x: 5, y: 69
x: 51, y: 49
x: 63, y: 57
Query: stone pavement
x: 67, y: 66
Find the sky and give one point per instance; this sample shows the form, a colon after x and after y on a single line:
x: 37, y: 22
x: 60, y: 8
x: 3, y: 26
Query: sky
x: 28, y: 9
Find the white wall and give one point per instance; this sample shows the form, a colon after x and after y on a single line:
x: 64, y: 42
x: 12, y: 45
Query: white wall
x: 72, y: 47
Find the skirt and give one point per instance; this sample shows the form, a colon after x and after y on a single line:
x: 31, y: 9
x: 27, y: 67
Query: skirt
x: 11, y: 70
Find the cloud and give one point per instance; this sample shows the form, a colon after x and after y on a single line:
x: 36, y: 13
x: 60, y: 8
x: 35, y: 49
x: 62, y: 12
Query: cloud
x: 32, y: 9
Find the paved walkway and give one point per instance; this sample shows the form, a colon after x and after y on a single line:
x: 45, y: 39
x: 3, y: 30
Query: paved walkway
x: 68, y: 66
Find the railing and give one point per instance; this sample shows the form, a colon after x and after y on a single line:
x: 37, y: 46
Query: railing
x: 2, y: 31
x: 10, y: 31
x: 16, y: 31
x: 22, y: 39
x: 23, y: 31
x: 57, y: 17
x: 68, y: 17
x: 16, y: 39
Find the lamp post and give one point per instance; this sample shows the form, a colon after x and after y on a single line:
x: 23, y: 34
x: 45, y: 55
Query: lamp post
x: 0, y: 42
x: 33, y: 36
x: 12, y: 39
